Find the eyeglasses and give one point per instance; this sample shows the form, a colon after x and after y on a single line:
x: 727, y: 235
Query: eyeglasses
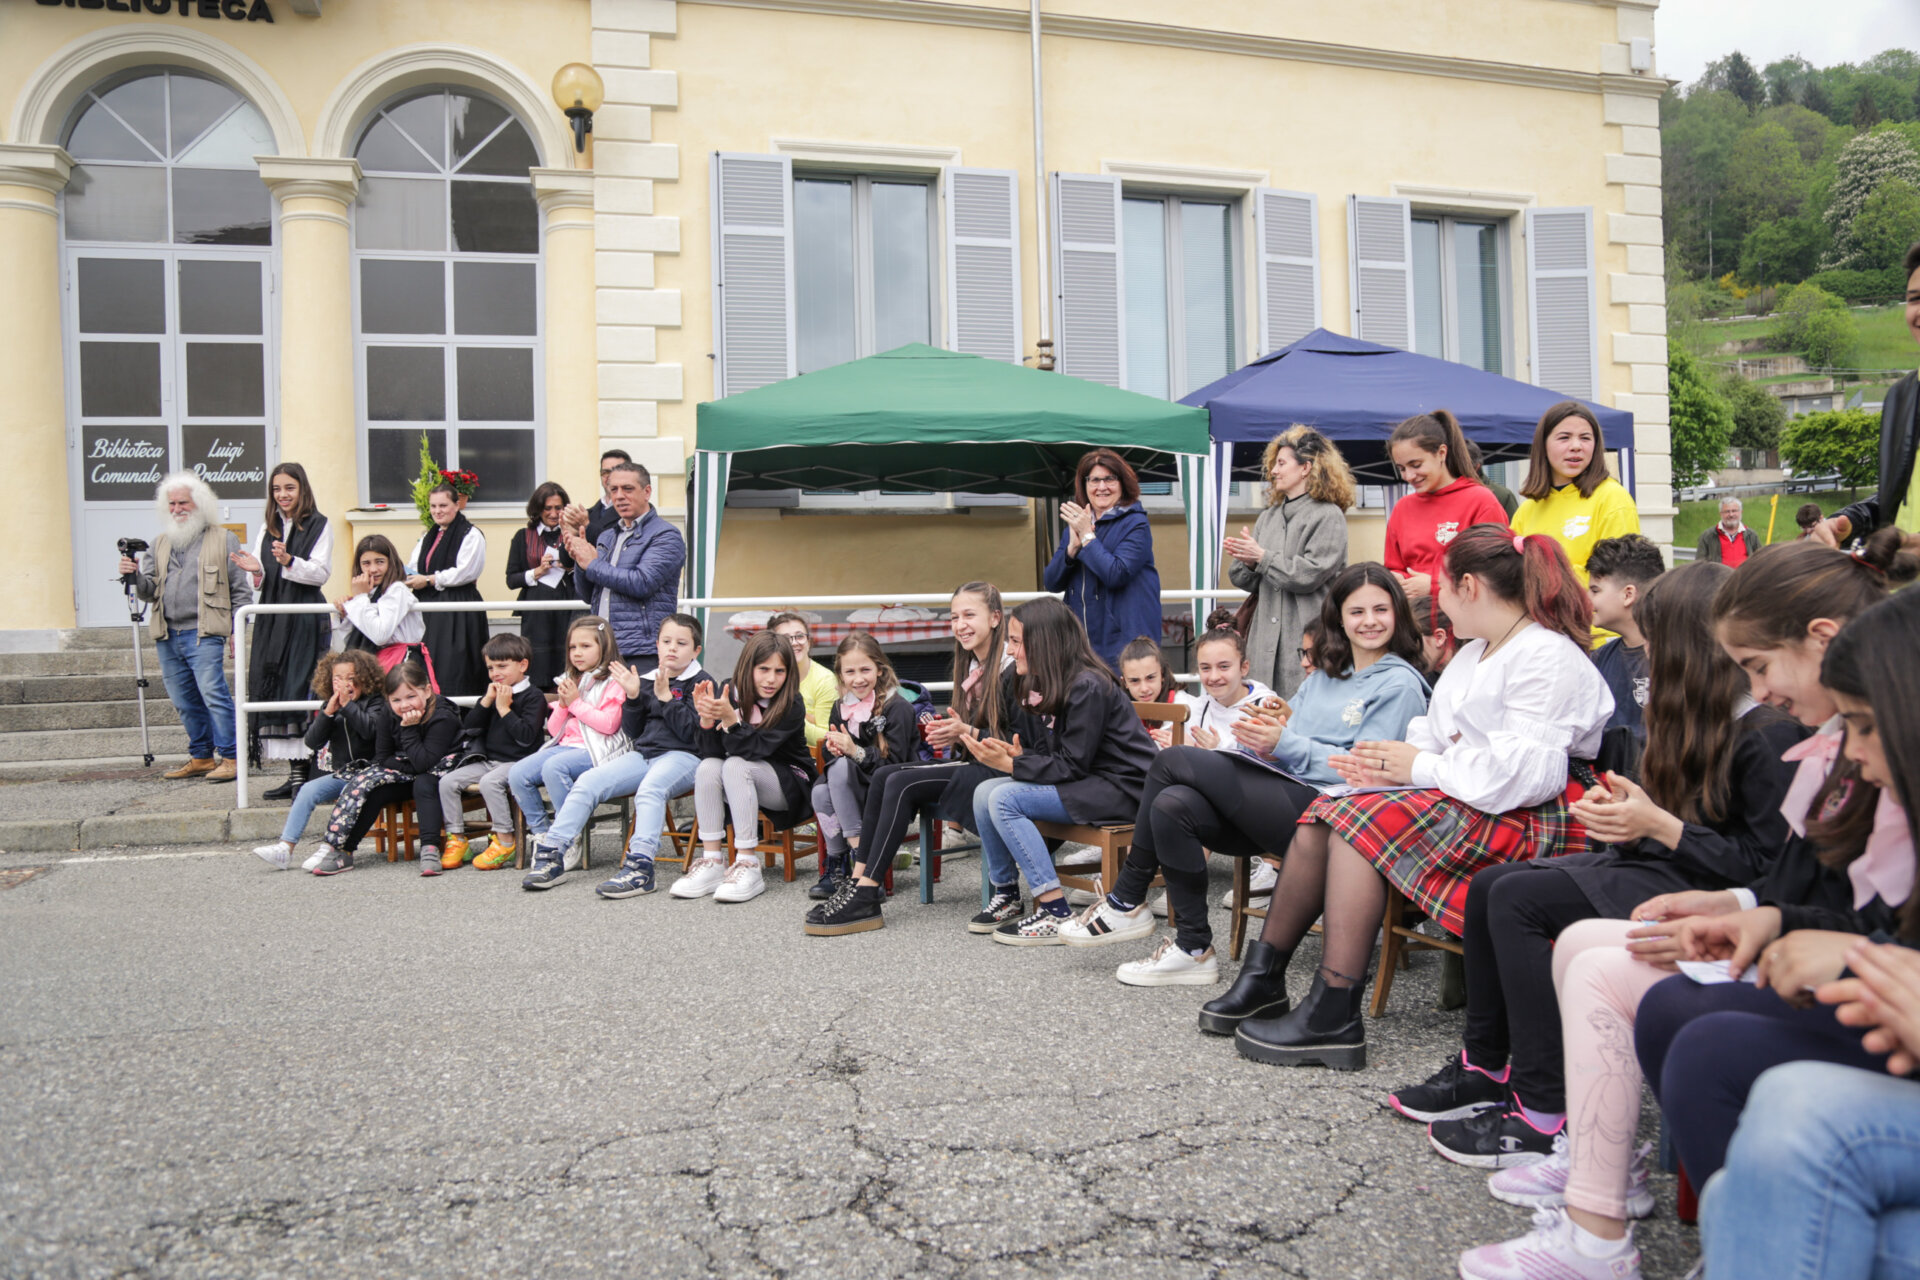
x: 1100, y: 480
x: 1303, y: 653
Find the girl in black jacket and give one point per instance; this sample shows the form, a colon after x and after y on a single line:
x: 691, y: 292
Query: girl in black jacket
x: 754, y: 760
x: 341, y: 737
x: 415, y: 736
x: 1086, y: 762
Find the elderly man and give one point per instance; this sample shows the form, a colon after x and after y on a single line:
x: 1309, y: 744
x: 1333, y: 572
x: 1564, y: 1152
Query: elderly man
x: 1729, y: 542
x: 190, y: 573
x: 631, y: 577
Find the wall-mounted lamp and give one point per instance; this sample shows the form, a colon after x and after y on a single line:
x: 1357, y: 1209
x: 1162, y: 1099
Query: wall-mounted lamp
x: 577, y: 90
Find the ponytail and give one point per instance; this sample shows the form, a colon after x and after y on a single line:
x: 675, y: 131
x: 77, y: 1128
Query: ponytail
x: 1433, y: 431
x: 1532, y: 572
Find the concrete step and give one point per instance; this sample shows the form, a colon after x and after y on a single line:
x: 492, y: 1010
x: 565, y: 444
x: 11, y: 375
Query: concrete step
x: 93, y: 768
x: 88, y: 715
x: 15, y: 690
x: 87, y: 744
x: 80, y: 662
x: 104, y: 638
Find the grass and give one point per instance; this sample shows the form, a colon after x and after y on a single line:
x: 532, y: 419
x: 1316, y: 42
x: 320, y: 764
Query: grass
x: 1695, y: 518
x: 1884, y: 340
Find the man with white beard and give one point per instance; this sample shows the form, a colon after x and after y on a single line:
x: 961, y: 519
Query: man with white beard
x: 191, y: 576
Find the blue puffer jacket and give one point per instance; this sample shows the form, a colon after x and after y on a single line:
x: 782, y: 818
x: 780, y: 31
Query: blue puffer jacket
x: 645, y: 583
x: 1111, y: 585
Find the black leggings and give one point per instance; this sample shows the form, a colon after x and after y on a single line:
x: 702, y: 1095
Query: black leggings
x: 1196, y: 800
x: 894, y: 795
x: 1514, y: 912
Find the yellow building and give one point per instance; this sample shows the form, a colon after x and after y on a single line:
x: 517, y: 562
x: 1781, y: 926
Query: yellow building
x: 238, y: 232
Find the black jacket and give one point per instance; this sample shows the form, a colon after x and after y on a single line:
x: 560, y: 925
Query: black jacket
x: 895, y: 724
x: 519, y: 563
x: 417, y: 748
x: 1095, y: 752
x: 1899, y: 437
x: 655, y: 727
x: 1811, y: 895
x: 783, y: 745
x: 348, y: 735
x: 514, y: 736
x: 600, y: 517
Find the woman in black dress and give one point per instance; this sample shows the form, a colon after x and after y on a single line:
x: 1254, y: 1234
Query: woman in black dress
x: 539, y: 549
x: 444, y: 566
x: 294, y: 561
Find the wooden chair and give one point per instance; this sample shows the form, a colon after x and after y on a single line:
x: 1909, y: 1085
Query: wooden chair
x: 396, y: 832
x: 622, y: 815
x: 1398, y: 939
x: 785, y: 848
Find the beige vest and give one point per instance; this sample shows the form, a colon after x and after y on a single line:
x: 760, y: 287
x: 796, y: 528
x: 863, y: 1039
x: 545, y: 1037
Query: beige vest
x: 216, y: 595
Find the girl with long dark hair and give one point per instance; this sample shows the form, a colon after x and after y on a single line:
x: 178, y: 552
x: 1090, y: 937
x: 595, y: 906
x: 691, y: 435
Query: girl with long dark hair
x: 294, y: 561
x: 380, y: 613
x: 1435, y: 462
x: 444, y: 566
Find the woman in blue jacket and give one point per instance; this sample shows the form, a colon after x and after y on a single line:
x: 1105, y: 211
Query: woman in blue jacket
x: 1105, y: 561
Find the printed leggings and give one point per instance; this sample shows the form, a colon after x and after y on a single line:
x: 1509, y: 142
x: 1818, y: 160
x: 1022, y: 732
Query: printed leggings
x: 370, y: 791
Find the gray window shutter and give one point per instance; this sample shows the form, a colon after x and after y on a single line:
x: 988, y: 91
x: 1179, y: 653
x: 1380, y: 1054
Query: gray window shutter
x: 1561, y: 301
x: 1087, y: 280
x: 753, y: 314
x: 1287, y: 228
x: 983, y: 263
x: 1380, y: 248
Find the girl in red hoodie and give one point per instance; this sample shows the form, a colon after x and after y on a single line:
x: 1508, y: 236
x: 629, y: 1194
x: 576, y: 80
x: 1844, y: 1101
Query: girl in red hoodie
x: 1430, y: 452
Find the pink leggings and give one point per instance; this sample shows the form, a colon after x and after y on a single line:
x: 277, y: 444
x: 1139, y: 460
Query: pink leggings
x: 1600, y: 986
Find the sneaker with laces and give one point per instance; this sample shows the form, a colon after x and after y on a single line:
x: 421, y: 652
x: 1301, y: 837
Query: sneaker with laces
x: 500, y: 852
x: 276, y: 854
x: 571, y: 860
x: 332, y: 862
x: 1549, y: 1250
x: 1544, y: 1185
x: 1039, y: 928
x: 1498, y: 1138
x: 632, y: 880
x: 702, y: 880
x: 1002, y: 907
x: 315, y: 858
x: 742, y: 883
x: 1454, y: 1092
x: 1083, y: 897
x: 430, y: 860
x: 858, y: 912
x: 1169, y: 966
x: 1157, y: 905
x: 842, y: 894
x: 1103, y: 922
x: 1261, y: 877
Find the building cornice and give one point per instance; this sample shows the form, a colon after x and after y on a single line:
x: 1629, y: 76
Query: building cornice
x: 1234, y: 42
x: 39, y: 167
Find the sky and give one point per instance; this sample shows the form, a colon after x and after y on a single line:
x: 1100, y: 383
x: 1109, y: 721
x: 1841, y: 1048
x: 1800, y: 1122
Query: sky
x: 1691, y: 33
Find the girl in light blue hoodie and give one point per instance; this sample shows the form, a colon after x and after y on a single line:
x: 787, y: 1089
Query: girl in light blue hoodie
x: 1248, y: 801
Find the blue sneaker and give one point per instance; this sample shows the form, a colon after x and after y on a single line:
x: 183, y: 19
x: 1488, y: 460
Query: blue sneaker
x: 630, y: 881
x: 548, y: 869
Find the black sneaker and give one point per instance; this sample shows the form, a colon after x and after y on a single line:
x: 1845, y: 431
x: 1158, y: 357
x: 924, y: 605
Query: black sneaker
x: 1454, y: 1092
x: 1002, y: 907
x: 842, y: 894
x: 1498, y: 1138
x: 1041, y: 928
x: 858, y: 912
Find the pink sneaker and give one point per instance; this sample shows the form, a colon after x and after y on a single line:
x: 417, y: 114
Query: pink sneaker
x: 1549, y: 1250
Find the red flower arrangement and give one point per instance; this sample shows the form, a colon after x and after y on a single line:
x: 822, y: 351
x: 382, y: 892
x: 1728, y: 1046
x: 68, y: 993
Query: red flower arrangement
x: 465, y: 483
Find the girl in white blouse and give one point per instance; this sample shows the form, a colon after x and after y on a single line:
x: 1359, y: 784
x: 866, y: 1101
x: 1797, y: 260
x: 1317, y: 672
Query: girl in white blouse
x: 380, y: 614
x: 444, y: 566
x: 1483, y: 777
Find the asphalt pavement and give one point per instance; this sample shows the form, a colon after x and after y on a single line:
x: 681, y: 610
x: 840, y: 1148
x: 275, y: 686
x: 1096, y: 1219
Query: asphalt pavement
x: 210, y: 1069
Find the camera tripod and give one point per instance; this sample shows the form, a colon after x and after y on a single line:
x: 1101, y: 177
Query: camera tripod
x: 137, y: 614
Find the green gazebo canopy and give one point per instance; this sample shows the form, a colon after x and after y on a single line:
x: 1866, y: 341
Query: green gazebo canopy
x: 921, y: 419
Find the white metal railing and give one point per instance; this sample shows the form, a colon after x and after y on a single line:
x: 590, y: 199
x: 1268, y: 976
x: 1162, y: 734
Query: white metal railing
x: 243, y: 707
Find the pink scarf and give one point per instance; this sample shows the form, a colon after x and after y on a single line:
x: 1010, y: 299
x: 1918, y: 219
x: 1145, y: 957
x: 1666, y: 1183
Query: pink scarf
x: 1886, y: 869
x: 856, y: 712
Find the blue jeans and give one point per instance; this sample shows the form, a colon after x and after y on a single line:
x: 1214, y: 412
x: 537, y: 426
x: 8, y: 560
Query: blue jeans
x: 1004, y: 811
x: 197, y: 686
x: 622, y: 777
x: 670, y: 775
x: 555, y: 765
x: 324, y: 789
x: 1822, y: 1179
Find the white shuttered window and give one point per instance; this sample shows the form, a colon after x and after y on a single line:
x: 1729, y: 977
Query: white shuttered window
x: 983, y: 263
x: 1287, y: 228
x: 754, y: 326
x: 1087, y: 276
x: 1380, y: 249
x: 1561, y: 296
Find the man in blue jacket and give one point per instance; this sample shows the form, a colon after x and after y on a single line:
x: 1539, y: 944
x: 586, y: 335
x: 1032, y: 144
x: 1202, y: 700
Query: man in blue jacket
x: 631, y: 576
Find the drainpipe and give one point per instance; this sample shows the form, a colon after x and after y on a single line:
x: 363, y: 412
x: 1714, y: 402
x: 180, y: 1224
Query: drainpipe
x: 1044, y: 256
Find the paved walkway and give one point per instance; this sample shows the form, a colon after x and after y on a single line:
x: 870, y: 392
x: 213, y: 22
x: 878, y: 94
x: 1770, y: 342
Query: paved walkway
x: 214, y: 1069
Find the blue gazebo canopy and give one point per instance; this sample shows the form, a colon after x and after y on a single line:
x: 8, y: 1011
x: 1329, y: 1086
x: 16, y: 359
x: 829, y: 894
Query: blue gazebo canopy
x: 1355, y: 392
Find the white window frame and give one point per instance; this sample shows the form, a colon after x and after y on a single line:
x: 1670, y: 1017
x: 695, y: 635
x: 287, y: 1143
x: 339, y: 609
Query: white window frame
x: 863, y: 283
x: 1510, y: 313
x: 1237, y: 214
x: 451, y: 342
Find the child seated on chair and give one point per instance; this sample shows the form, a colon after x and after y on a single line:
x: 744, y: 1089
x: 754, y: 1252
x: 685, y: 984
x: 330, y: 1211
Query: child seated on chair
x: 503, y: 728
x: 584, y: 724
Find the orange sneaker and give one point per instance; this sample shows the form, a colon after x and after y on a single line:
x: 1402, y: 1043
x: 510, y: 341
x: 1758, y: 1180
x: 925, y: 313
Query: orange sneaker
x: 499, y: 853
x: 454, y: 856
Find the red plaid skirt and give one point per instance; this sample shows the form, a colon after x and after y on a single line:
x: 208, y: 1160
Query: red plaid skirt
x: 1429, y: 845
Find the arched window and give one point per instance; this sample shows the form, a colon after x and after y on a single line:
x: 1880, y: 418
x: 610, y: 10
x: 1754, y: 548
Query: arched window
x: 447, y: 268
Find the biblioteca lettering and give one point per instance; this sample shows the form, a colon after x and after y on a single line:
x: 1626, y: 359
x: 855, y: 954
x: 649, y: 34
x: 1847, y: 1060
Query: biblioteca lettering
x: 231, y: 10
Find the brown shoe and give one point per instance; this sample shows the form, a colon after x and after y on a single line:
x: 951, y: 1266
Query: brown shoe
x: 225, y: 771
x: 192, y: 769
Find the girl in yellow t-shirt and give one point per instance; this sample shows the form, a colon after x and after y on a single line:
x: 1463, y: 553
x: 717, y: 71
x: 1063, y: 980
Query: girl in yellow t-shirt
x: 1569, y: 495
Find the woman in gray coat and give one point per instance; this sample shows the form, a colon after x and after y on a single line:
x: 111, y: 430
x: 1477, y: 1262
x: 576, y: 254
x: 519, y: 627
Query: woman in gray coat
x: 1293, y: 551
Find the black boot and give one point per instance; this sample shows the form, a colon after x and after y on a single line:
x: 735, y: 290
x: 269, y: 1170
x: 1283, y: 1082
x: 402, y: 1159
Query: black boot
x: 1260, y: 991
x: 297, y: 774
x: 855, y: 912
x: 1325, y: 1030
x: 833, y: 869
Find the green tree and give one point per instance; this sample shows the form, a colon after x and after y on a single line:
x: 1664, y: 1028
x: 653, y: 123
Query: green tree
x: 1864, y: 164
x: 1800, y: 305
x: 1866, y: 113
x: 1757, y: 416
x: 1842, y: 442
x: 1888, y: 223
x: 1787, y: 79
x: 1816, y: 97
x: 1782, y: 251
x: 1700, y: 421
x: 1810, y: 130
x: 1766, y: 177
x: 1830, y: 340
x: 1743, y: 82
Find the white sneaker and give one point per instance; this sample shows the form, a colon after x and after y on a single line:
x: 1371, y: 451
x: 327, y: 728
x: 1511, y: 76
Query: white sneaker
x: 1169, y: 966
x: 1082, y: 897
x: 1544, y: 1185
x: 1549, y: 1250
x: 1158, y: 904
x: 571, y: 861
x: 1076, y: 857
x: 743, y: 882
x: 1260, y: 881
x: 706, y: 876
x: 315, y: 858
x: 276, y: 853
x: 1102, y: 923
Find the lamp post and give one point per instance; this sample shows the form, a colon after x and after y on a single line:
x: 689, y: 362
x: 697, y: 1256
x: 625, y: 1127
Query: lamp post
x: 578, y: 91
